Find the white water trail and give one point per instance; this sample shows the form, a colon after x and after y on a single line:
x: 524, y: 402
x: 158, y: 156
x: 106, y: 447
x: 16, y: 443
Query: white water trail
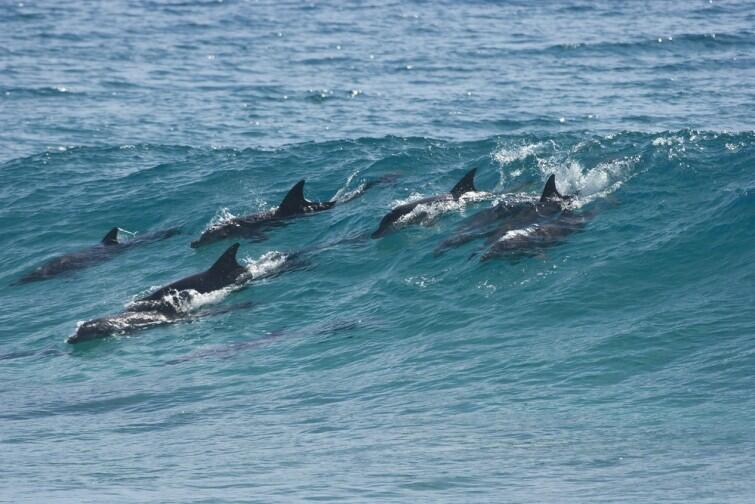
x: 589, y: 184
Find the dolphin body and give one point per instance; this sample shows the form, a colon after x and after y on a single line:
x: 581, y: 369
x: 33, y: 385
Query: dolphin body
x: 253, y: 225
x: 388, y: 223
x: 508, y: 215
x: 532, y: 240
x: 161, y: 306
x: 224, y: 272
x: 108, y: 247
x: 231, y: 350
x: 136, y: 319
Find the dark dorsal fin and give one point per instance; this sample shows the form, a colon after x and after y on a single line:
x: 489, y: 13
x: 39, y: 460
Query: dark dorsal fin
x: 227, y: 262
x: 111, y: 238
x: 294, y: 202
x: 550, y: 190
x: 466, y: 184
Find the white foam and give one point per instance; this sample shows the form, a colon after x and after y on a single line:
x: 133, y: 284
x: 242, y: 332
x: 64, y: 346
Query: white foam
x: 342, y: 195
x: 221, y: 217
x: 669, y: 140
x: 420, y: 281
x: 507, y: 155
x: 195, y: 300
x: 588, y: 184
x: 514, y: 198
x: 190, y: 300
x: 675, y: 144
x: 518, y: 232
x: 411, y: 199
x: 268, y: 264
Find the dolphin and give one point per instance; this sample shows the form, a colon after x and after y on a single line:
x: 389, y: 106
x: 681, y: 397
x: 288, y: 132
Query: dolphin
x: 163, y: 305
x: 511, y: 213
x: 230, y: 350
x: 252, y: 226
x: 121, y: 323
x: 225, y: 272
x: 171, y: 303
x: 136, y: 319
x: 109, y: 246
x: 388, y: 223
x: 532, y: 240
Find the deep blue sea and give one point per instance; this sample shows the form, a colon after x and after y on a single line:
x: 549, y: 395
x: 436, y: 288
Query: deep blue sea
x: 616, y: 364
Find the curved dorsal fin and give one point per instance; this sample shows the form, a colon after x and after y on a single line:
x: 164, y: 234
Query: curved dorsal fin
x: 466, y: 184
x: 227, y: 261
x: 550, y: 190
x: 294, y: 201
x: 111, y: 238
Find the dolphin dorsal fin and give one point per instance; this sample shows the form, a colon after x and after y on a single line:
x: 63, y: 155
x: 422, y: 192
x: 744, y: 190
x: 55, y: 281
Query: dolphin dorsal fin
x: 550, y: 190
x: 227, y: 261
x: 111, y: 238
x: 294, y: 201
x: 466, y: 184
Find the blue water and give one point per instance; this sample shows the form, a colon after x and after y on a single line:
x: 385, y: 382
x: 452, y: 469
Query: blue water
x: 617, y: 366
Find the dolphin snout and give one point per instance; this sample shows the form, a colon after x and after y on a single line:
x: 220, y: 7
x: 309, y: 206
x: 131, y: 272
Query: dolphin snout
x: 382, y: 230
x: 87, y: 331
x: 93, y: 329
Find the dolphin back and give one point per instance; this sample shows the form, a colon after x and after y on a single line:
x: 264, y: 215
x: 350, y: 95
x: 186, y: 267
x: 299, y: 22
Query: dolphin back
x: 465, y: 185
x: 227, y: 263
x: 550, y: 191
x: 294, y: 202
x: 111, y: 238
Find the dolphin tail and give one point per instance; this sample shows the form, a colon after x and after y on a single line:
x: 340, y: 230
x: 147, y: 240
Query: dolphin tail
x: 111, y: 238
x: 550, y: 191
x: 227, y: 262
x: 466, y: 184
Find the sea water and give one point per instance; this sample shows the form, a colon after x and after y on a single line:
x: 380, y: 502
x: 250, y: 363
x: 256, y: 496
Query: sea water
x: 616, y: 366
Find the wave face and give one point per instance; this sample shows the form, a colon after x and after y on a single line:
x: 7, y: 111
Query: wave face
x: 614, y: 365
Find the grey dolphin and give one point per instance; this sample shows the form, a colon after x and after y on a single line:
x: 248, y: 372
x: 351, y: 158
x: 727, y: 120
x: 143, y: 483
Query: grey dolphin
x: 161, y: 306
x: 534, y: 239
x: 224, y: 272
x: 509, y: 214
x: 127, y: 321
x: 253, y: 225
x: 230, y: 350
x: 388, y: 223
x: 136, y: 319
x: 109, y: 246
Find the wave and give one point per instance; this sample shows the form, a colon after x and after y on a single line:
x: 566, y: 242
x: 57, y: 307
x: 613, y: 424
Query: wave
x: 40, y: 92
x: 683, y: 41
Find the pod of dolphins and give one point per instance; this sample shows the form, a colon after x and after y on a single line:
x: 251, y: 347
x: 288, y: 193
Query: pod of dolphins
x: 515, y: 226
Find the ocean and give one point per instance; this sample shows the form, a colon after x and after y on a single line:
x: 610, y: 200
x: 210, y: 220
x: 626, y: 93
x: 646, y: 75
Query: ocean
x: 615, y: 363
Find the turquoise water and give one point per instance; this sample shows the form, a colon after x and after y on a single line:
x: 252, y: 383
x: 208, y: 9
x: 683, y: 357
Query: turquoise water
x: 616, y: 366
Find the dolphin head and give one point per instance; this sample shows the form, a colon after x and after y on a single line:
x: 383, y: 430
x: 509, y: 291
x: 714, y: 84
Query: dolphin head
x: 382, y: 230
x: 379, y: 233
x: 91, y: 329
x: 119, y: 323
x: 213, y: 234
x: 387, y: 223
